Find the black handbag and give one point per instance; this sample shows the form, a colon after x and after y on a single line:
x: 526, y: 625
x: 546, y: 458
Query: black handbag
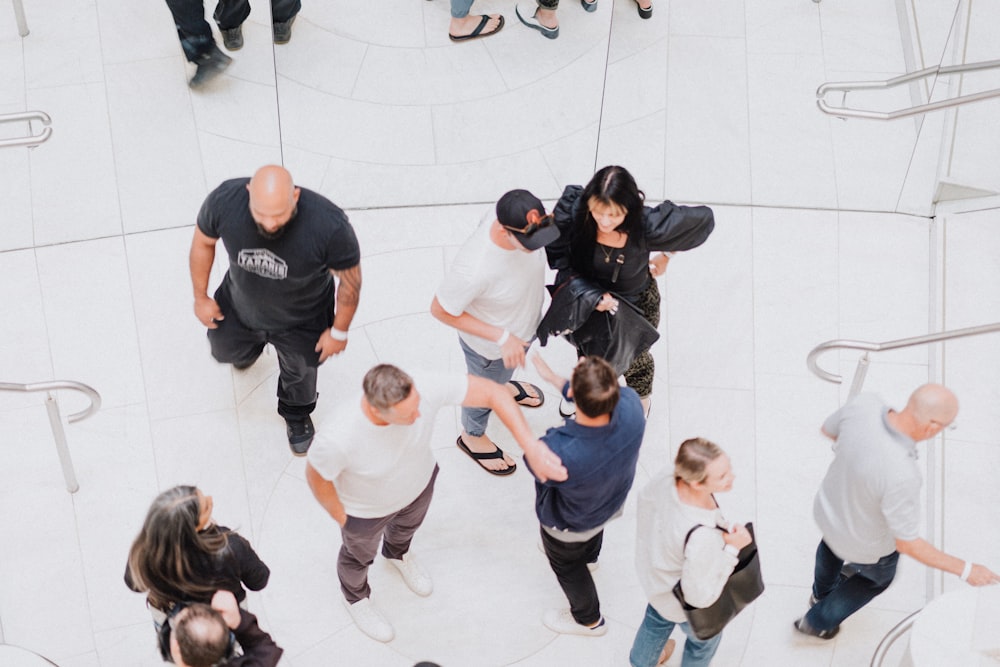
x: 744, y: 586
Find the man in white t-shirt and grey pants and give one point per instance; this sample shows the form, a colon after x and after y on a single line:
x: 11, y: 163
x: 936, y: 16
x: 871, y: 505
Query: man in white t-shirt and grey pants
x: 374, y: 474
x: 868, y: 506
x: 493, y: 294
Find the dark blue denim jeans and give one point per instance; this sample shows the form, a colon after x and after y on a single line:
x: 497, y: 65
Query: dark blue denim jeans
x: 842, y: 591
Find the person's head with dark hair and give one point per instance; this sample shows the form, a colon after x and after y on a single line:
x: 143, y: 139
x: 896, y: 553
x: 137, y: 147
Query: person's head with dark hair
x: 611, y: 202
x: 173, y: 538
x: 595, y: 387
x: 199, y: 637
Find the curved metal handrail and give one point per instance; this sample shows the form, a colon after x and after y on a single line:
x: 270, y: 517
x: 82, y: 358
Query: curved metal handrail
x: 56, y: 418
x: 814, y: 354
x: 32, y: 139
x: 848, y: 86
x: 90, y: 392
x: 891, y: 637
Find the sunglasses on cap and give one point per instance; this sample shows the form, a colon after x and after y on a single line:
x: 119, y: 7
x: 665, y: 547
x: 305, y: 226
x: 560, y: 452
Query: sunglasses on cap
x: 532, y: 227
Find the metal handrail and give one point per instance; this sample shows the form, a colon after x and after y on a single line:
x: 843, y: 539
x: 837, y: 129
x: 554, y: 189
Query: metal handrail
x: 848, y: 86
x: 32, y: 139
x: 891, y: 637
x: 56, y: 417
x: 22, y: 23
x: 890, y: 345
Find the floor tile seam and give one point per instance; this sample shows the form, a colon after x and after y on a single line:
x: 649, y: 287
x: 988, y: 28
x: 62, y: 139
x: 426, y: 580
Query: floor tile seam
x: 509, y: 90
x: 535, y: 653
x: 255, y: 534
x: 83, y: 572
x: 122, y: 626
x: 395, y: 207
x: 634, y: 119
x: 243, y: 142
x: 827, y: 209
x: 187, y: 415
x: 639, y: 50
x: 134, y: 61
x: 86, y: 82
x: 829, y: 126
x: 390, y: 318
x: 114, y: 152
x: 534, y: 148
x: 241, y: 402
x: 746, y: 101
x: 405, y: 249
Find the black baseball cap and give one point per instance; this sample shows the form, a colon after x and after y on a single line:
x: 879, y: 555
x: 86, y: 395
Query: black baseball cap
x: 523, y: 215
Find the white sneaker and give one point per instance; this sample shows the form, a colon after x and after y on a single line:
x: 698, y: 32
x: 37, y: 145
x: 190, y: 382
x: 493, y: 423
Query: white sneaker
x: 415, y: 576
x: 370, y: 620
x: 562, y: 621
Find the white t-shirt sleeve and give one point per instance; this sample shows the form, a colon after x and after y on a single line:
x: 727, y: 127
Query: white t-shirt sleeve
x: 462, y: 283
x: 458, y: 289
x: 440, y: 389
x: 327, y: 457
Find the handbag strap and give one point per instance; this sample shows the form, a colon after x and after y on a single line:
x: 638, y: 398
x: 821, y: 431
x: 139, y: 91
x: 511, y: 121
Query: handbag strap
x: 701, y: 525
x: 696, y: 527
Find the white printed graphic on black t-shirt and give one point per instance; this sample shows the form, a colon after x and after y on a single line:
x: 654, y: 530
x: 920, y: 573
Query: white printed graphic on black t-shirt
x: 264, y: 263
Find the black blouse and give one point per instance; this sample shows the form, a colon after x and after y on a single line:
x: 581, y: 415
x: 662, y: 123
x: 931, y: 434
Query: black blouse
x: 625, y: 271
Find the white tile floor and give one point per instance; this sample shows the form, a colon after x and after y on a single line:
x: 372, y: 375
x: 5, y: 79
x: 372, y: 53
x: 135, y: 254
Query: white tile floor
x: 822, y: 233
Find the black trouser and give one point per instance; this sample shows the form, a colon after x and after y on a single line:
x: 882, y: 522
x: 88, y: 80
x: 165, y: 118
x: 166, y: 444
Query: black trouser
x: 569, y: 562
x: 234, y: 343
x: 195, y: 33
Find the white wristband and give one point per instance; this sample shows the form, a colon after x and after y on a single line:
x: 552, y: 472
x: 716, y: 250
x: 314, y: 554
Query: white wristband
x: 503, y: 338
x: 731, y: 550
x: 966, y: 571
x: 337, y: 334
x: 668, y: 253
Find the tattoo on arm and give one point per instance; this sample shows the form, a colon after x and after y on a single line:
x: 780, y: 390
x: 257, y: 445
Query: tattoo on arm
x: 349, y: 290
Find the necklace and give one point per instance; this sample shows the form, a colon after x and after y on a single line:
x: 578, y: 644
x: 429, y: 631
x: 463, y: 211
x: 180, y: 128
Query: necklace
x: 606, y: 251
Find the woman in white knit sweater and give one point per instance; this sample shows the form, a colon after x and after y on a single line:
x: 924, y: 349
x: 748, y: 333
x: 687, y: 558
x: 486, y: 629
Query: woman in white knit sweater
x: 673, y: 503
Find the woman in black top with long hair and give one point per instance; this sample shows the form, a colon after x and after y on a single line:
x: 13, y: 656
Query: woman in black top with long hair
x: 180, y: 555
x: 608, y: 237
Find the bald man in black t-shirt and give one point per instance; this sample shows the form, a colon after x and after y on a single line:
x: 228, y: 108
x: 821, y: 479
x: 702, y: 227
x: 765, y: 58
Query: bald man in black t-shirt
x: 285, y: 245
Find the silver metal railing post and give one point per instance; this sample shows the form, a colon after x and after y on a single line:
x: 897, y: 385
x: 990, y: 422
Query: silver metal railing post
x: 59, y: 433
x: 22, y: 23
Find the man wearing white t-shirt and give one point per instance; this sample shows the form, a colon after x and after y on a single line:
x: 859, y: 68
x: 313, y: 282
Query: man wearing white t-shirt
x: 493, y: 294
x: 375, y: 475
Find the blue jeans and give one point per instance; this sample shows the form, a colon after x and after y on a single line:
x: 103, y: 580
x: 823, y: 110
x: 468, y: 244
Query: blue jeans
x: 460, y: 8
x: 842, y: 591
x: 474, y: 420
x: 653, y: 635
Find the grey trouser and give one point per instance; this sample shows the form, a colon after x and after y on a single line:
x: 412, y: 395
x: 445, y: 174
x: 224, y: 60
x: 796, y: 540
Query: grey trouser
x: 361, y: 537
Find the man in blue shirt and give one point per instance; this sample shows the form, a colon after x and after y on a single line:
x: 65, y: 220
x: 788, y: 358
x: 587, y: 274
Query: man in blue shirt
x: 600, y: 449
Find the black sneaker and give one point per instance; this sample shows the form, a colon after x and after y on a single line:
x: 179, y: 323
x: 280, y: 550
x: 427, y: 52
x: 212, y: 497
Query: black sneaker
x: 210, y: 66
x: 232, y: 38
x: 283, y: 31
x: 803, y: 626
x: 300, y: 434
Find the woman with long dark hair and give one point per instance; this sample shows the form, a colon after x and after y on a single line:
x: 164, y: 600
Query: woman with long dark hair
x: 181, y: 555
x: 609, y: 237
